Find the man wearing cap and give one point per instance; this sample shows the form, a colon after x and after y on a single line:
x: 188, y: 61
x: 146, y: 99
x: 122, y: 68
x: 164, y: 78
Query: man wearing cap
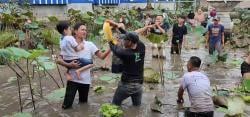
x: 215, y: 36
x: 132, y: 56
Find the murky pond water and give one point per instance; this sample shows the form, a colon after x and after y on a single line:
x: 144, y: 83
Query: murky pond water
x: 219, y: 74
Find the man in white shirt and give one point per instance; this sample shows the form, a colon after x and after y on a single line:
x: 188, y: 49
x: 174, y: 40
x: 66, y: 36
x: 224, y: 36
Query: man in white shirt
x: 199, y: 90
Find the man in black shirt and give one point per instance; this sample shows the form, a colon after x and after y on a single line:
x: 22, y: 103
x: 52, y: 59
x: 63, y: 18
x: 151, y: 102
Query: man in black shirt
x: 245, y: 68
x: 179, y: 32
x: 132, y: 57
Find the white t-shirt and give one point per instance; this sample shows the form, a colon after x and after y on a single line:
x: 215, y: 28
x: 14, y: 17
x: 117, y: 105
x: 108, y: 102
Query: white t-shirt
x: 88, y: 52
x: 67, y: 45
x: 199, y: 91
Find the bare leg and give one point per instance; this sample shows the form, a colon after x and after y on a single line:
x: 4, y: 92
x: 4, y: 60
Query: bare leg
x: 78, y: 71
x: 68, y: 76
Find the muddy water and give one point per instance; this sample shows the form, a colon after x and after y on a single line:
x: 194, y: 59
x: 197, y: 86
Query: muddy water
x: 220, y: 74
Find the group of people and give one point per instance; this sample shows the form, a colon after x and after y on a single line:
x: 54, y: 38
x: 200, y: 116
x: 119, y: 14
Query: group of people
x: 77, y: 56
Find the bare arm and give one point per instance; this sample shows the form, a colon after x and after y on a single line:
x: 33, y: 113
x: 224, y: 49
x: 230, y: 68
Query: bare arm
x: 160, y: 28
x: 141, y: 30
x: 180, y: 95
x: 223, y: 38
x: 73, y: 64
x: 102, y: 55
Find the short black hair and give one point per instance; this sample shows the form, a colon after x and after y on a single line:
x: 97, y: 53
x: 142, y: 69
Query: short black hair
x: 132, y: 36
x: 61, y: 26
x: 195, y: 61
x: 182, y: 16
x: 77, y: 25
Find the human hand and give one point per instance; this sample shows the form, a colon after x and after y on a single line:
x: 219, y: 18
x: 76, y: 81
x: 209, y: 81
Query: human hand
x: 180, y: 101
x: 74, y: 64
x: 206, y: 46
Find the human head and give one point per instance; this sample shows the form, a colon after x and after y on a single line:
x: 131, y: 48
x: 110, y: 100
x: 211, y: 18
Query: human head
x: 63, y: 28
x: 181, y: 19
x: 158, y: 19
x: 199, y: 11
x: 130, y: 39
x: 216, y: 20
x: 194, y: 62
x: 80, y: 31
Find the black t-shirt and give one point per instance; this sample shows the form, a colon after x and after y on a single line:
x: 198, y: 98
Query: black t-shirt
x: 133, y: 62
x: 158, y: 31
x: 245, y: 68
x: 178, y: 32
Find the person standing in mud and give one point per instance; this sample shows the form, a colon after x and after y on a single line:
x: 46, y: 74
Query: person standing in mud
x: 81, y: 85
x: 178, y: 35
x: 199, y: 90
x: 245, y: 68
x: 215, y: 40
x: 132, y: 56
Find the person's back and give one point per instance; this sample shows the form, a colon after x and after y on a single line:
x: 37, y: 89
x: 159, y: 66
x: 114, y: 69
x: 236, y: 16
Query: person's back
x: 199, y: 91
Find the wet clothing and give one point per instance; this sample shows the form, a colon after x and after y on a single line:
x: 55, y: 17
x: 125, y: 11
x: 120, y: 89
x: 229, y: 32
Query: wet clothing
x: 245, y: 68
x: 133, y: 62
x: 116, y: 66
x: 177, y: 39
x: 132, y: 73
x: 215, y: 37
x: 71, y: 88
x: 125, y: 90
x: 199, y: 91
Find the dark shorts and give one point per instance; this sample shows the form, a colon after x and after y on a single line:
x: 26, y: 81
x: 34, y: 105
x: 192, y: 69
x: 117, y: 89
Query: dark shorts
x: 82, y: 61
x: 199, y: 114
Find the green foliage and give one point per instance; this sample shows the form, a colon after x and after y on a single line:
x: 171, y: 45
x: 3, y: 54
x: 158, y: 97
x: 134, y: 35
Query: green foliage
x: 19, y: 114
x: 171, y: 75
x: 53, y: 19
x: 150, y: 76
x: 110, y: 110
x: 99, y: 89
x: 156, y: 38
x: 45, y: 63
x: 18, y: 53
x: 110, y: 78
x: 5, y: 55
x: 236, y: 107
x: 56, y: 95
x: 7, y: 38
x: 50, y: 36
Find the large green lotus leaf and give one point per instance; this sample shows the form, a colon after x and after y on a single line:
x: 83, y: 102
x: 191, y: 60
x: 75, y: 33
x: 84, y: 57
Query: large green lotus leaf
x: 100, y: 20
x: 234, y: 62
x: 86, y: 16
x: 246, y: 84
x: 110, y: 110
x: 21, y: 35
x: 171, y: 75
x: 47, y: 66
x: 36, y: 53
x: 56, y: 95
x: 236, y: 106
x: 5, y: 56
x: 20, y: 115
x: 19, y: 52
x: 155, y: 38
x: 106, y: 78
x: 199, y: 30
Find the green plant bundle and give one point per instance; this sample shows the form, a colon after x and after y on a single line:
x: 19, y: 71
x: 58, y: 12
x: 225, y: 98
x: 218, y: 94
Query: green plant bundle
x: 7, y: 38
x: 50, y: 36
x: 110, y: 110
x: 156, y: 38
x: 99, y: 89
x: 150, y: 76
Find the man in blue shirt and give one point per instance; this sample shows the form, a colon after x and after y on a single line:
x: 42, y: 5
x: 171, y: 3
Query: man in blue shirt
x: 215, y: 36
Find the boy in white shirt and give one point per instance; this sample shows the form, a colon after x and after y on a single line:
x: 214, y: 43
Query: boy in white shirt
x: 69, y: 47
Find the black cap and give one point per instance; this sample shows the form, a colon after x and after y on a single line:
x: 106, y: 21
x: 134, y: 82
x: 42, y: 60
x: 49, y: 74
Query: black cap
x: 131, y: 36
